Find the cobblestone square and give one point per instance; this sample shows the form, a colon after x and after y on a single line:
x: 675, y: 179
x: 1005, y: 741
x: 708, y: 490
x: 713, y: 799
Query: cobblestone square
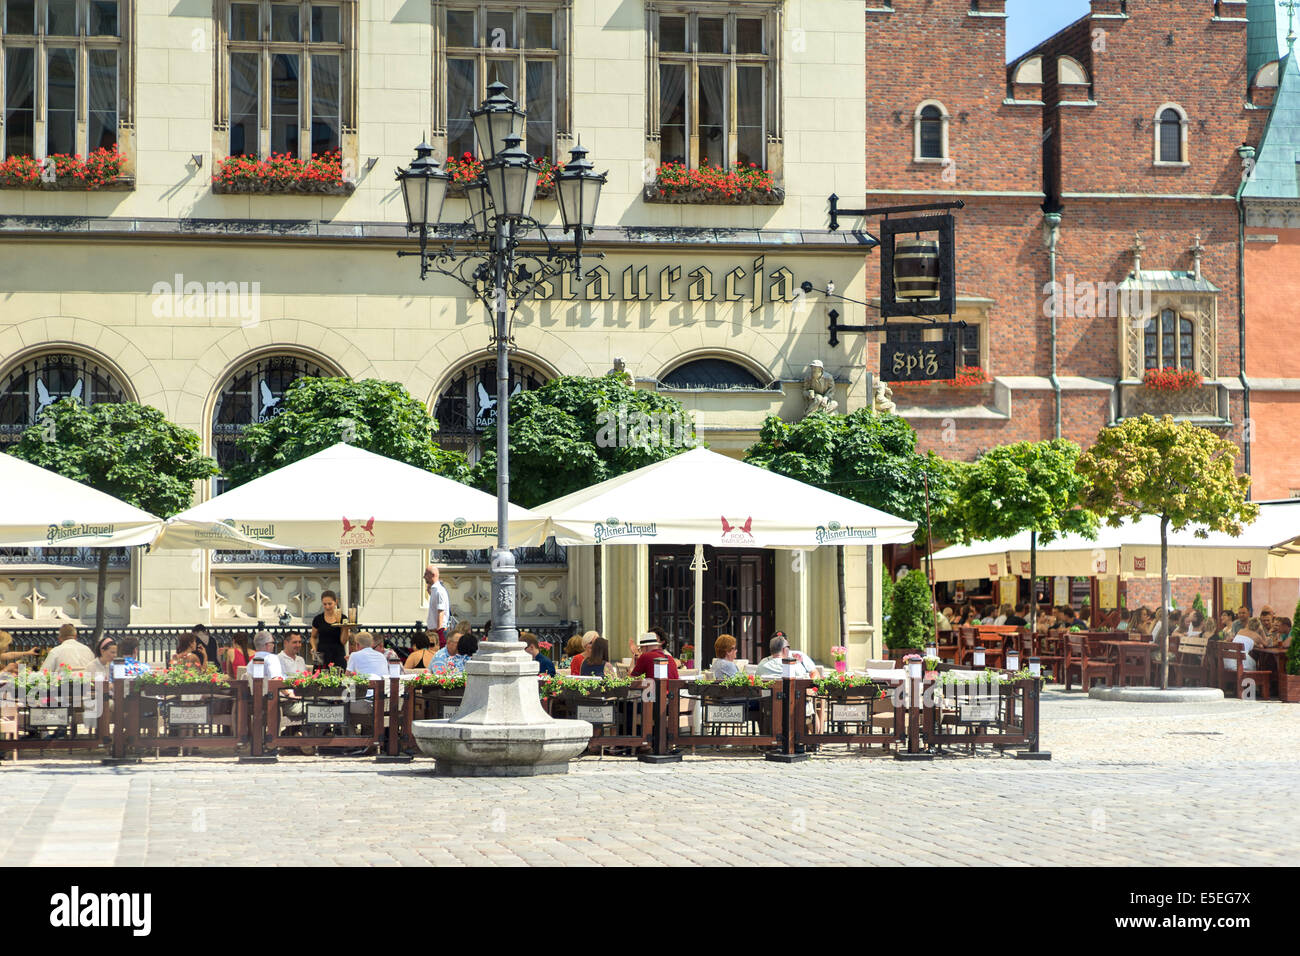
x: 1129, y: 784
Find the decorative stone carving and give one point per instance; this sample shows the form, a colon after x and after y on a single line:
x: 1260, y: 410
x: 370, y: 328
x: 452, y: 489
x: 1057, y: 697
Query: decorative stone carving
x: 1200, y: 402
x: 882, y: 403
x: 818, y: 387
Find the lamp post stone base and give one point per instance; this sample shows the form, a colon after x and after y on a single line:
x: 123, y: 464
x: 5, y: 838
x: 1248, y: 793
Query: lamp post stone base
x: 501, y: 729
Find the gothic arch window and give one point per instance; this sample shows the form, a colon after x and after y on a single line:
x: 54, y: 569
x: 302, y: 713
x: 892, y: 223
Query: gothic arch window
x: 1170, y: 342
x: 251, y: 395
x: 713, y: 374
x: 467, y: 405
x: 1171, y: 135
x: 28, y: 389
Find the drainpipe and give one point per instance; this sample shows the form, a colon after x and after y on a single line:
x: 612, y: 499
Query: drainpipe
x: 1052, y: 224
x: 1246, y: 153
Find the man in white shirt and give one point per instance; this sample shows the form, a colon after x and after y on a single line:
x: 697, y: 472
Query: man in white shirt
x: 439, y: 605
x: 264, y: 648
x: 366, y: 660
x: 771, y: 666
x: 70, y: 653
x: 291, y: 661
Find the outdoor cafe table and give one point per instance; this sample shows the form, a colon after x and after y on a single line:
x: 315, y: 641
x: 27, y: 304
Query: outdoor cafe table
x: 1132, y: 660
x: 1272, y: 659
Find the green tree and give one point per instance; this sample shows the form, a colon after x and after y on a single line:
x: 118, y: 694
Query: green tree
x: 1028, y: 486
x: 576, y: 431
x: 1293, y: 653
x: 316, y: 413
x: 911, y: 617
x: 869, y: 458
x: 129, y: 451
x: 1184, y: 474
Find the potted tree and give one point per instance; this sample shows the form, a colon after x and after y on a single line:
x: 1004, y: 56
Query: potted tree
x: 911, y: 618
x: 1289, y: 682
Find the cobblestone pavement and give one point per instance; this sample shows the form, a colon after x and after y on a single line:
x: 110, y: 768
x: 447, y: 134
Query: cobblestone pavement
x: 1128, y: 784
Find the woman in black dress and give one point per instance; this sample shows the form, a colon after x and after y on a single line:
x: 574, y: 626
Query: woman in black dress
x: 326, y: 632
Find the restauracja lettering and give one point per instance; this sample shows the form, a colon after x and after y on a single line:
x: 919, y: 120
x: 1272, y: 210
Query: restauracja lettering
x: 755, y: 284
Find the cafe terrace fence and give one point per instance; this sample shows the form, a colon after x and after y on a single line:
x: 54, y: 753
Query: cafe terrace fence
x: 656, y: 718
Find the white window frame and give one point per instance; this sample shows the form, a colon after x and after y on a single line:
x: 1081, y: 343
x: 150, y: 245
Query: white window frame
x: 945, y: 121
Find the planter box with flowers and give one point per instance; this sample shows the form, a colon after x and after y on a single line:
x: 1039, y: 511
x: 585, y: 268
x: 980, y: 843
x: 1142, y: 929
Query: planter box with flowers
x: 850, y: 685
x: 185, y: 679
x: 282, y: 174
x: 736, y: 687
x: 1171, y: 379
x: 330, y: 684
x: 464, y: 169
x: 969, y: 377
x: 101, y: 170
x: 712, y: 185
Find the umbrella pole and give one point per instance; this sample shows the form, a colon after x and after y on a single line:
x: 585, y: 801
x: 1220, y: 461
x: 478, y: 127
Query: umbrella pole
x: 698, y: 566
x: 344, y: 576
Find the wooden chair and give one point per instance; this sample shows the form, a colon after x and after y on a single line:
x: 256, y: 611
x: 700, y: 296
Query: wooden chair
x: 1078, y: 659
x: 1050, y: 650
x: 1187, y: 660
x: 1233, y: 678
x: 970, y: 639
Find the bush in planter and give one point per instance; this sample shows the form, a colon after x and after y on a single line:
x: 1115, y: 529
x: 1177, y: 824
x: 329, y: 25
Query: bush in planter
x: 1293, y: 655
x: 911, y: 618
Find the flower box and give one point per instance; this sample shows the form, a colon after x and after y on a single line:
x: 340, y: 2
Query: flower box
x: 871, y: 691
x: 576, y: 695
x: 722, y: 692
x: 282, y: 174
x: 1171, y: 379
x: 466, y: 168
x: 101, y: 170
x: 712, y: 185
x: 968, y: 376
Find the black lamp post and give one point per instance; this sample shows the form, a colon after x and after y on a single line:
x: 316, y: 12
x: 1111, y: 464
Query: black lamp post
x: 485, y: 256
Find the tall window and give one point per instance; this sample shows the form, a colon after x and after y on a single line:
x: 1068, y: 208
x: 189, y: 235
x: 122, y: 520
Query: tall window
x: 287, y: 77
x: 715, y: 80
x: 1170, y: 146
x: 1170, y: 342
x: 61, y: 81
x: 467, y: 407
x: 930, y: 132
x: 520, y: 45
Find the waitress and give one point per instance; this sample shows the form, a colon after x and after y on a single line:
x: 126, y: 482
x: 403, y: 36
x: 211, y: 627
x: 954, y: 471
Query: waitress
x: 327, y: 632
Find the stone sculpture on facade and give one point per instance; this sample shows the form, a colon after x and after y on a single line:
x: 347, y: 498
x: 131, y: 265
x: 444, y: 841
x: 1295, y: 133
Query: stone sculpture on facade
x: 818, y: 387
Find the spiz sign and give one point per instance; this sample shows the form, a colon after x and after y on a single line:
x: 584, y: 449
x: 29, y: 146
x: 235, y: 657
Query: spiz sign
x: 918, y: 361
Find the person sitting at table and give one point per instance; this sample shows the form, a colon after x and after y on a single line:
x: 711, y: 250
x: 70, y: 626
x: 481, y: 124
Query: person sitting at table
x: 70, y: 653
x: 1266, y: 619
x: 466, y: 648
x: 944, y: 621
x: 1017, y: 617
x: 365, y: 659
x: 264, y: 651
x: 1225, y: 623
x: 534, y: 648
x: 207, y: 643
x: 575, y: 665
x: 237, y: 655
x: 187, y: 653
x: 1282, y: 632
x: 1122, y: 619
x: 291, y: 661
x: 724, y: 657
x: 441, y: 661
x: 422, y: 655
x: 773, y: 664
x: 106, y: 653
x: 595, y: 662
x: 7, y: 654
x: 1211, y: 630
x: 1247, y: 637
x: 1243, y: 618
x: 381, y: 645
x: 652, y: 651
x: 127, y: 648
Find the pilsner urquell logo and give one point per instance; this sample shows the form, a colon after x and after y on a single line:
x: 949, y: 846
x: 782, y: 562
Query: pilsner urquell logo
x: 834, y: 531
x: 71, y: 529
x: 614, y: 528
x: 359, y: 535
x: 460, y: 528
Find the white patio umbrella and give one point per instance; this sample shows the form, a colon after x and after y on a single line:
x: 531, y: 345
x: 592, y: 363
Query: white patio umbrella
x: 345, y: 498
x: 1268, y: 547
x: 40, y: 509
x: 701, y: 497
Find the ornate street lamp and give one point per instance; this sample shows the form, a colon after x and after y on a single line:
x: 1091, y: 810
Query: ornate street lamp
x: 506, y: 730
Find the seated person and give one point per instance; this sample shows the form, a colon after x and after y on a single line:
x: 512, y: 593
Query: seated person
x: 390, y: 655
x: 575, y: 665
x: 264, y: 651
x: 71, y: 653
x: 365, y: 659
x: 596, y: 661
x: 651, y: 651
x: 187, y: 652
x: 423, y: 653
x: 127, y: 648
x: 1017, y: 619
x: 724, y: 657
x: 291, y: 661
x: 441, y: 661
x: 466, y: 648
x: 1247, y: 637
x: 772, y: 666
x: 944, y: 620
x: 534, y: 648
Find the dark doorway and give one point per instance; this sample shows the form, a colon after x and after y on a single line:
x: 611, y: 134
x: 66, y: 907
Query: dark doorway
x: 738, y: 599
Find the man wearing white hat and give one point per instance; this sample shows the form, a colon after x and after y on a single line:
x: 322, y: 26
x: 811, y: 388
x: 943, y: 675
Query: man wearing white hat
x: 651, y: 651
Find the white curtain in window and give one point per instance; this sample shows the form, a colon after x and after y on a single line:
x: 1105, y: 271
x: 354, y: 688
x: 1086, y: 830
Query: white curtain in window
x: 713, y: 112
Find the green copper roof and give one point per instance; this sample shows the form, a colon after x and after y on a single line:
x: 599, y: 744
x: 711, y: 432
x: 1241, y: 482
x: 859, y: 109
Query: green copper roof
x: 1261, y: 35
x: 1274, y: 174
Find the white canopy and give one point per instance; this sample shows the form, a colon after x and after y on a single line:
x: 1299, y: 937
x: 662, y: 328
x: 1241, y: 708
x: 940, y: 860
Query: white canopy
x: 39, y: 509
x: 1266, y: 548
x: 345, y: 498
x: 702, y: 497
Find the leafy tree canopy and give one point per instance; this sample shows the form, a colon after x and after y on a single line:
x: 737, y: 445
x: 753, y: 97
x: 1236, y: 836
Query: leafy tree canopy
x: 317, y: 413
x: 129, y: 451
x: 1028, y: 486
x: 577, y: 431
x: 869, y: 458
x: 1176, y: 470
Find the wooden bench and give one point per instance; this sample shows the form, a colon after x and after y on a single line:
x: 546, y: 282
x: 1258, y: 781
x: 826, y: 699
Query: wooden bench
x: 1187, y: 659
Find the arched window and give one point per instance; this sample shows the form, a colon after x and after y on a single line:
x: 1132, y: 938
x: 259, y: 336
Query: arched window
x: 253, y: 395
x: 1170, y: 343
x: 467, y: 406
x: 931, y: 132
x: 1170, y: 141
x: 712, y: 373
x: 30, y: 388
x: 27, y: 390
